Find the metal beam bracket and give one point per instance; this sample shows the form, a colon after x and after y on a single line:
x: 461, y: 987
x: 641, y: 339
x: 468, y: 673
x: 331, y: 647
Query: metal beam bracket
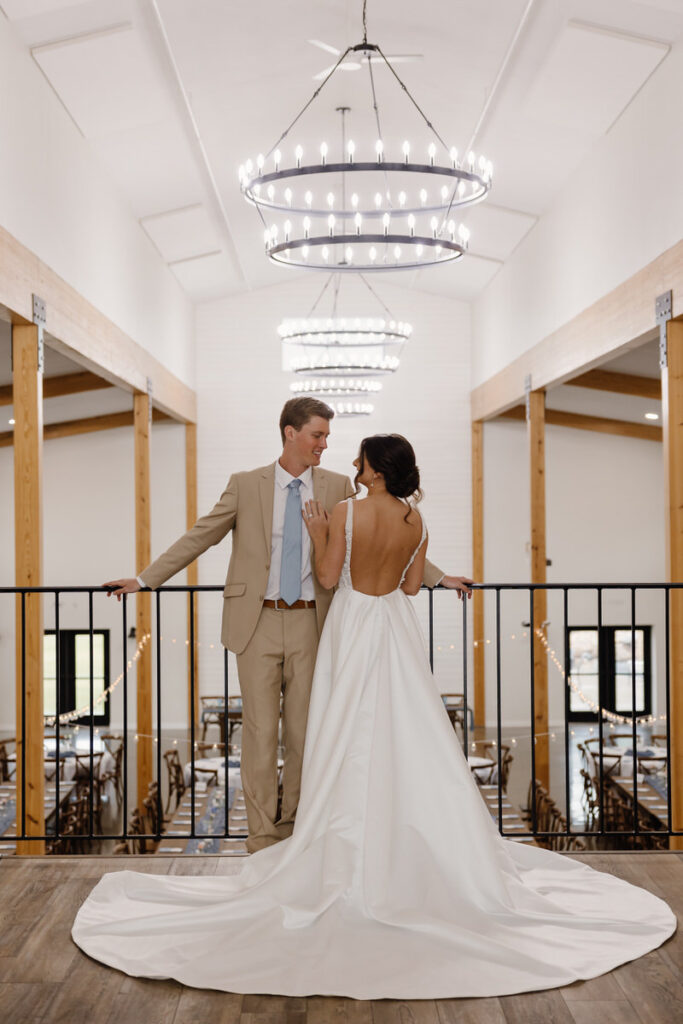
x: 663, y: 313
x: 40, y: 319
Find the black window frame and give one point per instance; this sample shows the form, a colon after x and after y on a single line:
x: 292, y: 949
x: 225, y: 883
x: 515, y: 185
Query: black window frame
x: 66, y: 650
x: 607, y: 682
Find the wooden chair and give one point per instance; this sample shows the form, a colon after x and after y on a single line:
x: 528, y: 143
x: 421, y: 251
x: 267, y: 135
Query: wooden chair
x: 212, y: 713
x: 652, y: 765
x: 176, y: 778
x: 457, y: 709
x: 5, y: 761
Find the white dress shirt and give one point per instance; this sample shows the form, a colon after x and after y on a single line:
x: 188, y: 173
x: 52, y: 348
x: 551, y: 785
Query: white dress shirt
x: 282, y: 481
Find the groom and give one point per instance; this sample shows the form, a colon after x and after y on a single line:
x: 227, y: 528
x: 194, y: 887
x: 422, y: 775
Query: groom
x: 274, y: 607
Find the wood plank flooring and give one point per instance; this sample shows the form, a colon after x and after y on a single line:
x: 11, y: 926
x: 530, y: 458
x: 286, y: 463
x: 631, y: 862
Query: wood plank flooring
x: 45, y: 979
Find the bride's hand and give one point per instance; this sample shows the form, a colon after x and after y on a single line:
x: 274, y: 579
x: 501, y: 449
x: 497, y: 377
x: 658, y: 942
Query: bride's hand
x: 316, y: 520
x: 459, y: 583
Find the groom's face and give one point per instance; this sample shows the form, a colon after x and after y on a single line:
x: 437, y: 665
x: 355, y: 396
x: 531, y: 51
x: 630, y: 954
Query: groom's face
x: 311, y: 441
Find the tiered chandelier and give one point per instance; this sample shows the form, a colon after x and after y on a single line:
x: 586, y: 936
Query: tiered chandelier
x: 341, y: 357
x: 348, y: 211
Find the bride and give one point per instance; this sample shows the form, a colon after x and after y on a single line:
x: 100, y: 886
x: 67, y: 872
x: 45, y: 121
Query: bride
x: 395, y: 882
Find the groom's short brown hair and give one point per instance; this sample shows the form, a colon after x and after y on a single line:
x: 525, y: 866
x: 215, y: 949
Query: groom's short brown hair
x: 298, y: 411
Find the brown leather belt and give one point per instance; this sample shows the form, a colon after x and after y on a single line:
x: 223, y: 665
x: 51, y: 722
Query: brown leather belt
x: 282, y: 606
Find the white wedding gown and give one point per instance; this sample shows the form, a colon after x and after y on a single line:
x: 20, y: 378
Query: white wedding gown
x: 395, y: 882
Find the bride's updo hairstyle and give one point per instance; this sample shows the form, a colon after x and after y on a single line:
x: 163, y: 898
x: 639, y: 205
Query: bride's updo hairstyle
x: 392, y: 456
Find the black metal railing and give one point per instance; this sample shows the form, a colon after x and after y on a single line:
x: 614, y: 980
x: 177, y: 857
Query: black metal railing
x: 460, y: 629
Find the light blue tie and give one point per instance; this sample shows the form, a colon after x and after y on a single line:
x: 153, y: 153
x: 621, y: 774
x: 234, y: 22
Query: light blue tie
x: 290, y: 569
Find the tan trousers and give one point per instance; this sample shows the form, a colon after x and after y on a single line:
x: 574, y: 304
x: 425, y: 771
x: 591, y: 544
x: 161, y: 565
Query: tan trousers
x: 279, y: 658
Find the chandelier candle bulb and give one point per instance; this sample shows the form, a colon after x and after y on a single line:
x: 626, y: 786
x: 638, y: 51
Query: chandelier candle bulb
x: 271, y: 192
x: 378, y: 200
x: 288, y: 229
x: 373, y: 254
x: 411, y: 225
x: 259, y: 162
x: 434, y: 224
x: 423, y: 196
x: 326, y: 253
x: 330, y: 199
x: 418, y: 251
x: 386, y: 219
x: 288, y: 196
x: 351, y: 149
x: 432, y: 153
x: 401, y: 199
x: 454, y: 157
x: 359, y: 220
x: 349, y: 254
x: 298, y: 153
x: 379, y: 150
x: 471, y: 160
x: 277, y: 159
x: 330, y: 224
x: 397, y: 252
x: 406, y: 151
x: 323, y: 152
x: 444, y: 192
x: 354, y: 200
x: 308, y: 199
x: 307, y: 226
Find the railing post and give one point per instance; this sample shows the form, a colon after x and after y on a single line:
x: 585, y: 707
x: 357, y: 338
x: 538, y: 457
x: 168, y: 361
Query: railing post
x: 192, y: 569
x: 27, y: 386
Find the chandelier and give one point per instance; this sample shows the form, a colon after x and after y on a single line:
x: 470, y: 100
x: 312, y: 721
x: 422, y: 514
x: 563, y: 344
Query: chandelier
x: 354, y: 210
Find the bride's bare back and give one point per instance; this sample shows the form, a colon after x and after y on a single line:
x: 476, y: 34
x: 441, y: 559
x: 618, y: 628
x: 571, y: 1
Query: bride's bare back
x: 383, y: 543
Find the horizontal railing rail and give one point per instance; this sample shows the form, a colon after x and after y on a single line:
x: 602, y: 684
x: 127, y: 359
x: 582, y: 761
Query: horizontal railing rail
x: 459, y: 621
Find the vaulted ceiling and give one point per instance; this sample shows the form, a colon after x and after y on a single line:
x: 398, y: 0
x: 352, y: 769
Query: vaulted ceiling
x: 172, y: 96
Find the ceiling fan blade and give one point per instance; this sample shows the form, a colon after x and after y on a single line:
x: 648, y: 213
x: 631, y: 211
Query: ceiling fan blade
x: 322, y: 74
x: 324, y: 46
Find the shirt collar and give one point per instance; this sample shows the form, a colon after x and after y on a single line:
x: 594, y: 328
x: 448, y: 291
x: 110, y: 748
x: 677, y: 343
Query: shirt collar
x: 283, y: 478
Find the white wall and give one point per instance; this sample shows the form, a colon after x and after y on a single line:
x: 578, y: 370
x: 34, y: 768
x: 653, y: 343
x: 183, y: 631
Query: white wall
x: 605, y: 523
x: 241, y: 390
x: 57, y: 201
x: 89, y: 537
x: 622, y: 208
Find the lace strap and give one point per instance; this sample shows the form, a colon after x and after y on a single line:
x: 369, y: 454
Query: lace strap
x: 348, y: 534
x: 414, y: 554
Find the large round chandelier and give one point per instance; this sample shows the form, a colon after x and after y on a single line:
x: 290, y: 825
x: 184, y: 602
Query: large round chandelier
x: 348, y: 210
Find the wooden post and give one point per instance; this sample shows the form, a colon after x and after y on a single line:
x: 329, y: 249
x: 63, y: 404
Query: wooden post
x: 142, y: 405
x: 672, y: 415
x: 28, y: 467
x: 192, y: 569
x: 536, y: 434
x: 478, y: 571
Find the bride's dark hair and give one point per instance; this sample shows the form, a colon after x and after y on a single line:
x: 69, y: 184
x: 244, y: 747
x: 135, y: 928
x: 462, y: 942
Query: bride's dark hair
x: 392, y: 456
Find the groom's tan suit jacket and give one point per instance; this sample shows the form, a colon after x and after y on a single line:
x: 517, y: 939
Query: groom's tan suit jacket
x: 246, y: 508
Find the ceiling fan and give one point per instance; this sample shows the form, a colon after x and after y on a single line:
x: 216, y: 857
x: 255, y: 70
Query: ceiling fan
x: 364, y: 53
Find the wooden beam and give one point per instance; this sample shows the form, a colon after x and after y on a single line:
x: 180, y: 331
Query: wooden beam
x: 143, y: 621
x: 622, y: 383
x: 28, y: 546
x: 65, y: 384
x: 80, y: 331
x: 536, y: 437
x: 192, y: 570
x: 672, y: 409
x: 87, y: 425
x: 478, y: 572
x: 559, y: 418
x: 618, y: 321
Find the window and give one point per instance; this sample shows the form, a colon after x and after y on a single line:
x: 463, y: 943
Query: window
x: 600, y: 663
x: 74, y: 656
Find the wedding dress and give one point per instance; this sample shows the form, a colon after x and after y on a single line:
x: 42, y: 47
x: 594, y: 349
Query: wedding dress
x: 395, y: 882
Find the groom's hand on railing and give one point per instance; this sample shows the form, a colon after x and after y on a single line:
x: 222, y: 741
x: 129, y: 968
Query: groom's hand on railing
x: 460, y: 583
x: 118, y: 587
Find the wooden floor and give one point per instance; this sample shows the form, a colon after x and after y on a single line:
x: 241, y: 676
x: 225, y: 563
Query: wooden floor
x: 45, y: 977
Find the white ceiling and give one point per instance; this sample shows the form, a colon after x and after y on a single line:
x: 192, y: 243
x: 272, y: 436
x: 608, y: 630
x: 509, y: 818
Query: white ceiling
x: 172, y: 96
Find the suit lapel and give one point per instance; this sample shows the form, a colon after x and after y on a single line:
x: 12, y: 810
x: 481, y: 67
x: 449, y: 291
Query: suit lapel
x: 266, y: 494
x: 319, y: 486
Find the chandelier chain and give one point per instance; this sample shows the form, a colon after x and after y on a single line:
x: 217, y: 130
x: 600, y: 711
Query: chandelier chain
x: 337, y: 282
x: 411, y: 97
x: 379, y: 127
x: 317, y: 301
x: 365, y: 21
x: 382, y: 304
x: 305, y: 107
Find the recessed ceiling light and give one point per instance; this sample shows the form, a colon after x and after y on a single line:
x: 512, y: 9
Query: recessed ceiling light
x: 651, y: 415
